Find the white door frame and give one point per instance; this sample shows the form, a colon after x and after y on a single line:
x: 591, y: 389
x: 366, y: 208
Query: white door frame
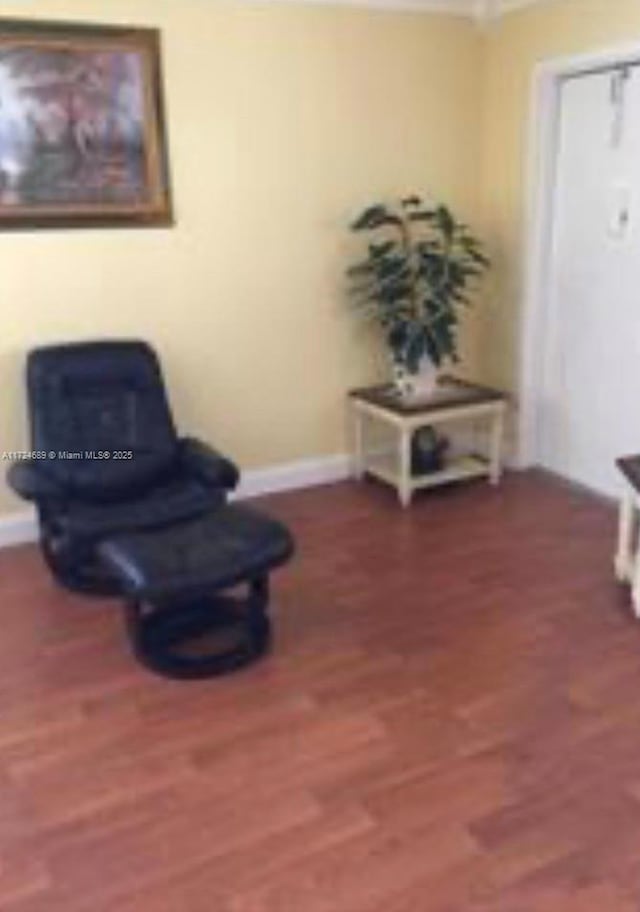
x: 542, y: 148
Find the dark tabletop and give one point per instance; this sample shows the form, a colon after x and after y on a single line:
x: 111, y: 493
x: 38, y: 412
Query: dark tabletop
x: 630, y: 468
x: 451, y: 392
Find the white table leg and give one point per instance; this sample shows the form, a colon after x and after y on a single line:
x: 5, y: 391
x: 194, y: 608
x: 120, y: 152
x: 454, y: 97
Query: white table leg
x: 623, y: 561
x: 404, y: 489
x: 495, y: 447
x: 358, y: 444
x: 635, y: 585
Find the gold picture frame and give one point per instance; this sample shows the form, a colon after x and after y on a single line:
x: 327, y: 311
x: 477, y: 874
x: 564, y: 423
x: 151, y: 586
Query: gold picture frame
x: 82, y: 128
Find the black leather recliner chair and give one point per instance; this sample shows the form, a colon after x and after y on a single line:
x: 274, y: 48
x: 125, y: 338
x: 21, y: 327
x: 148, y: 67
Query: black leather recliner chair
x: 127, y: 507
x: 107, y: 458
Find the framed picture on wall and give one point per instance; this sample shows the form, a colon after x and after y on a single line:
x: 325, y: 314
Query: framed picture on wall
x: 82, y: 132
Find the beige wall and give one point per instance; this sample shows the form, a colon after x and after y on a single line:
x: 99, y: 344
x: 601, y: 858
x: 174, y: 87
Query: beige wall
x: 513, y: 46
x: 283, y: 120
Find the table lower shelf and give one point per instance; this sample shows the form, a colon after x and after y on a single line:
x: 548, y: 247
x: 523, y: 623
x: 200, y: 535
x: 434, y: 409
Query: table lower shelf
x: 386, y: 467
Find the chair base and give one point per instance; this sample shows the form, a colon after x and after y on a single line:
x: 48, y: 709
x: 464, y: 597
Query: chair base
x: 76, y: 567
x: 203, y: 637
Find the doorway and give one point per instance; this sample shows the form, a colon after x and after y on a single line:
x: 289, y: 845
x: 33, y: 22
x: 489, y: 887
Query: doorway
x: 580, y: 385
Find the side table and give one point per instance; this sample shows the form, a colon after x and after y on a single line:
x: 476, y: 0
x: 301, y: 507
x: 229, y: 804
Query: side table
x: 453, y: 401
x: 627, y: 556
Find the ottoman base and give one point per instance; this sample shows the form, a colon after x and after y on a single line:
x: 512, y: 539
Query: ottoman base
x: 186, y: 614
x: 201, y: 638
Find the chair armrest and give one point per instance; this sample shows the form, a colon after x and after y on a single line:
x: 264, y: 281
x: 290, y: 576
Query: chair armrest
x: 28, y: 480
x: 207, y: 464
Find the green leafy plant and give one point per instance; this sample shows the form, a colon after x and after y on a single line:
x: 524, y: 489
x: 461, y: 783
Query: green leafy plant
x: 416, y: 278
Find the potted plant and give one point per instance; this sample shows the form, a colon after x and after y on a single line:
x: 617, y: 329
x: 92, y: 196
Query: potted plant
x: 414, y: 282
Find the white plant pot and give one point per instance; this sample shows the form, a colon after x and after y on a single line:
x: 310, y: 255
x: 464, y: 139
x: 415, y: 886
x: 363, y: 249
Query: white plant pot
x: 417, y: 386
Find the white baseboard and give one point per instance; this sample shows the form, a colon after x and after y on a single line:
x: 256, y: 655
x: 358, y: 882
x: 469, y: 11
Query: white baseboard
x: 21, y: 528
x: 305, y: 473
x: 18, y: 528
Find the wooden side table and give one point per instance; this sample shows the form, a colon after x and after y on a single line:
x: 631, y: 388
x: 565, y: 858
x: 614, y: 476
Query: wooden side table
x: 453, y: 401
x: 627, y: 556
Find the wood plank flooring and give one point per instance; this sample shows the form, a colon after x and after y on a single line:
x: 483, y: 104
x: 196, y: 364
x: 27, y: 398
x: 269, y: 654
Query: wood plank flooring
x: 450, y: 722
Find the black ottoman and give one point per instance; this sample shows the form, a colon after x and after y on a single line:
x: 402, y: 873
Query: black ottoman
x: 180, y: 620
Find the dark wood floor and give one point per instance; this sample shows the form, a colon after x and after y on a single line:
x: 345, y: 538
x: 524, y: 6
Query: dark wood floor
x: 450, y: 722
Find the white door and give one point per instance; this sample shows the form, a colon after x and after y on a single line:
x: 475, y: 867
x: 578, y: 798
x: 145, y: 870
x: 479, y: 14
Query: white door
x: 591, y: 399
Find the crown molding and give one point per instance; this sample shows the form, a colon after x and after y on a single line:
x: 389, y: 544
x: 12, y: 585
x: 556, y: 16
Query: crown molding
x: 498, y: 8
x: 481, y: 11
x: 460, y: 8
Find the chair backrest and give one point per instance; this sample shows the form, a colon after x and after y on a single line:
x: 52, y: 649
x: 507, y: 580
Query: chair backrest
x: 94, y: 403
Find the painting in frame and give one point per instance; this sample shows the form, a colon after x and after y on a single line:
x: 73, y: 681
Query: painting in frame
x: 82, y: 132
